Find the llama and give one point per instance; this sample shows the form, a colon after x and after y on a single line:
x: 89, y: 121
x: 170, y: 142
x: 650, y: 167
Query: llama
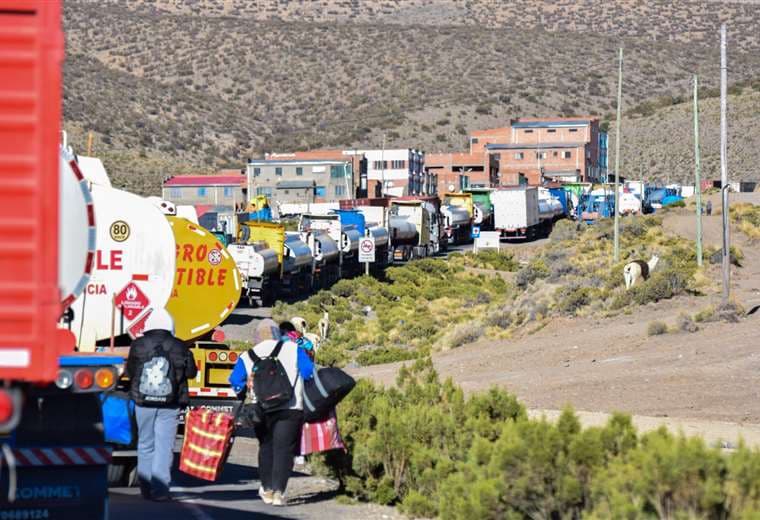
x: 301, y: 326
x: 638, y: 269
x: 323, y: 325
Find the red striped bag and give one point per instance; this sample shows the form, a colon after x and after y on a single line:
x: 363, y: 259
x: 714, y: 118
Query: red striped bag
x: 208, y: 438
x: 321, y: 436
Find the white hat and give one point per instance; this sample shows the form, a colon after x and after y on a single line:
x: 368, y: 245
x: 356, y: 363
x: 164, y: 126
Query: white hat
x: 159, y: 319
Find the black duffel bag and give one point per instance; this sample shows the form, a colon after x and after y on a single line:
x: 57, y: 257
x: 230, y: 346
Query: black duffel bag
x: 322, y: 392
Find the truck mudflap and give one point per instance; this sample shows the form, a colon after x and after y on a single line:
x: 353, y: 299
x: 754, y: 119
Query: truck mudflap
x: 55, y: 483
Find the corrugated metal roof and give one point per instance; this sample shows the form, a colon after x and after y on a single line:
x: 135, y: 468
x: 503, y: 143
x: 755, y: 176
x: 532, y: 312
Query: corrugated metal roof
x: 542, y: 146
x: 282, y: 185
x: 205, y: 180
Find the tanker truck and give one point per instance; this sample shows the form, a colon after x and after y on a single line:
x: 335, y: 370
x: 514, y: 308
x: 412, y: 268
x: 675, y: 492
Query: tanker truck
x: 271, y: 262
x: 482, y: 208
x: 52, y: 450
x: 347, y: 235
x: 457, y: 210
x: 412, y: 226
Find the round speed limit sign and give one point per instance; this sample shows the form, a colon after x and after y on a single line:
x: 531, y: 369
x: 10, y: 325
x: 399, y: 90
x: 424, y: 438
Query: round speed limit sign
x: 119, y: 231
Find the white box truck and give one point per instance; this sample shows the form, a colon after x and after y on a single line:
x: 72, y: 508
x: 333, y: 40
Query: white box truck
x: 516, y: 213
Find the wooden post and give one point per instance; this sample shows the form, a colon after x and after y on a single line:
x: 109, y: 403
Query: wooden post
x: 697, y: 176
x: 724, y: 166
x: 90, y: 136
x: 616, y: 256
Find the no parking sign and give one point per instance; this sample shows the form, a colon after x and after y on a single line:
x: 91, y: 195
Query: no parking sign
x: 367, y: 249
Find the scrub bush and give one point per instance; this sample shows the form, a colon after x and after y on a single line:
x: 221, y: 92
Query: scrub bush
x: 535, y: 270
x: 424, y: 446
x: 686, y: 324
x: 656, y: 328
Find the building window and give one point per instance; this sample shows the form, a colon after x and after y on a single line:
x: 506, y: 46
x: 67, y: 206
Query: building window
x: 340, y: 191
x: 299, y: 170
x: 399, y: 165
x: 573, y: 129
x: 380, y: 165
x: 256, y: 172
x: 320, y: 191
x: 336, y: 172
x: 529, y: 131
x: 202, y: 192
x: 519, y: 156
x: 278, y: 171
x: 552, y: 131
x: 228, y: 192
x: 264, y: 190
x: 554, y: 154
x: 175, y: 193
x: 540, y: 155
x: 567, y: 155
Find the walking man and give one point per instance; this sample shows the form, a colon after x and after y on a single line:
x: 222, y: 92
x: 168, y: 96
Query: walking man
x: 708, y: 208
x: 158, y: 366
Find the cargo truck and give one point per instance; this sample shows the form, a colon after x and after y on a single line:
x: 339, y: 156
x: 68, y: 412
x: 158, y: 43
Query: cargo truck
x: 482, y: 208
x: 54, y: 457
x: 516, y: 212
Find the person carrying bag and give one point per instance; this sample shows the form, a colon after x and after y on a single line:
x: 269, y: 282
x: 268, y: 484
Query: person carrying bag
x: 270, y: 369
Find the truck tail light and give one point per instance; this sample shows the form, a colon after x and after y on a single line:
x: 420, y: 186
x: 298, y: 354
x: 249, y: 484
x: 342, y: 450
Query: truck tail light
x: 64, y: 379
x: 10, y: 409
x: 233, y: 357
x: 7, y: 406
x: 83, y: 378
x: 211, y: 356
x: 104, y: 378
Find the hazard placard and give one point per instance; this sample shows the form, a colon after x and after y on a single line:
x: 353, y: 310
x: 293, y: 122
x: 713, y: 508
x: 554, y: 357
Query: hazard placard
x: 367, y: 249
x: 131, y: 300
x: 138, y: 327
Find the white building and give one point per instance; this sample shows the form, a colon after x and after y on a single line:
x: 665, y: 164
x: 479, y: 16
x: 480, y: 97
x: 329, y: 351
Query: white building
x: 400, y: 172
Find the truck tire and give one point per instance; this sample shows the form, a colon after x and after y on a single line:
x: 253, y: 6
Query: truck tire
x: 122, y: 472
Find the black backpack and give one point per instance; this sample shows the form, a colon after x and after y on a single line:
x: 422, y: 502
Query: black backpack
x: 271, y: 384
x: 157, y: 383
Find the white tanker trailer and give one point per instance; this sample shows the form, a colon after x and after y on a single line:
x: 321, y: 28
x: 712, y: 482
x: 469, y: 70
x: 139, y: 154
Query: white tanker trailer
x: 457, y: 223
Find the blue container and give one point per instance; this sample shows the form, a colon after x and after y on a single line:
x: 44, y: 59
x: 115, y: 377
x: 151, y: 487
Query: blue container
x: 262, y: 215
x: 353, y: 217
x: 561, y: 194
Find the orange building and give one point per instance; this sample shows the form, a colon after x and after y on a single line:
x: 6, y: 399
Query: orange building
x: 457, y: 171
x: 545, y: 149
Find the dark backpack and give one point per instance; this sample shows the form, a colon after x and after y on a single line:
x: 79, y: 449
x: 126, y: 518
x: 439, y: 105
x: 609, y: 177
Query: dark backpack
x: 271, y: 384
x: 157, y: 383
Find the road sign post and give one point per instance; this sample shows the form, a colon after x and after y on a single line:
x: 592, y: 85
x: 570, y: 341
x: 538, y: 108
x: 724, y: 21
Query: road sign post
x: 367, y: 252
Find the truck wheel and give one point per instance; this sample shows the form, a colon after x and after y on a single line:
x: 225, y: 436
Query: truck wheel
x: 122, y: 472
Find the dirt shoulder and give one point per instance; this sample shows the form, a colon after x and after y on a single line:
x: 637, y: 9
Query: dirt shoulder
x: 708, y: 380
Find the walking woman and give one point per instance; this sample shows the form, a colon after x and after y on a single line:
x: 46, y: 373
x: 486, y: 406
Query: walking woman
x: 279, y: 433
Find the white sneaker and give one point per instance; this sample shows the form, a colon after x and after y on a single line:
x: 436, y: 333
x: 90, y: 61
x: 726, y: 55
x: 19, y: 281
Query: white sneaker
x: 266, y: 496
x: 279, y: 500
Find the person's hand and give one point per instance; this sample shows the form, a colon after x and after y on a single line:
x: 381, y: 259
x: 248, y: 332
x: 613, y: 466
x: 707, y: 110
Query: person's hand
x: 249, y: 382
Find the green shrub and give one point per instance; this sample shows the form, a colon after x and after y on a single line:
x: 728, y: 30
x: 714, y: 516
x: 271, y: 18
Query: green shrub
x: 662, y: 285
x: 705, y: 315
x: 656, y: 328
x: 499, y: 318
x: 535, y: 270
x: 571, y: 298
x: 463, y: 334
x: 565, y: 229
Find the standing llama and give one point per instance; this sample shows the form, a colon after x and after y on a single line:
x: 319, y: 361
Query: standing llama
x: 638, y: 270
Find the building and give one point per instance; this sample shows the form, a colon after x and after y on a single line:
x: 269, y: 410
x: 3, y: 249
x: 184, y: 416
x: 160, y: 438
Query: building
x: 358, y: 164
x: 457, y: 171
x: 397, y: 172
x: 222, y: 191
x: 546, y: 149
x: 301, y: 180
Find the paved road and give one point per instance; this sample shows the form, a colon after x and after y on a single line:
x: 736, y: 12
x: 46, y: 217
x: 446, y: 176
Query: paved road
x: 235, y: 496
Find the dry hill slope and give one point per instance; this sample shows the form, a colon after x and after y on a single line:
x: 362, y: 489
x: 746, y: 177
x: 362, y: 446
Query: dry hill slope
x: 204, y: 85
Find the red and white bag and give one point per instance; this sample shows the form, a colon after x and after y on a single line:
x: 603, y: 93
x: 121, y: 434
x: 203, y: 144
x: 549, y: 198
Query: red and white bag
x: 208, y: 439
x: 321, y: 436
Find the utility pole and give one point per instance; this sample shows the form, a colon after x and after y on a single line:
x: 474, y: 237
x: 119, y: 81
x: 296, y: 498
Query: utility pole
x: 723, y: 165
x: 90, y: 136
x: 382, y: 166
x: 697, y: 178
x: 616, y: 256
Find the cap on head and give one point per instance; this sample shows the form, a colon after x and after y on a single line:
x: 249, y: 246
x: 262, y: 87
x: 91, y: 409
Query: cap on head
x: 266, y: 329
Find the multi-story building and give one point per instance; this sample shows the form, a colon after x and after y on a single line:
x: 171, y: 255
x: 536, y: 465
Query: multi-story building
x: 550, y: 149
x: 397, y: 172
x: 358, y: 164
x: 223, y: 191
x: 301, y: 180
x: 457, y: 171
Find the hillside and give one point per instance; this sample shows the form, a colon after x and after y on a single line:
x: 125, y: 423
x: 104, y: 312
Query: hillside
x: 661, y: 145
x: 198, y: 85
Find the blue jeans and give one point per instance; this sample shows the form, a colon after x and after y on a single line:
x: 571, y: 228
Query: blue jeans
x: 156, y: 430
